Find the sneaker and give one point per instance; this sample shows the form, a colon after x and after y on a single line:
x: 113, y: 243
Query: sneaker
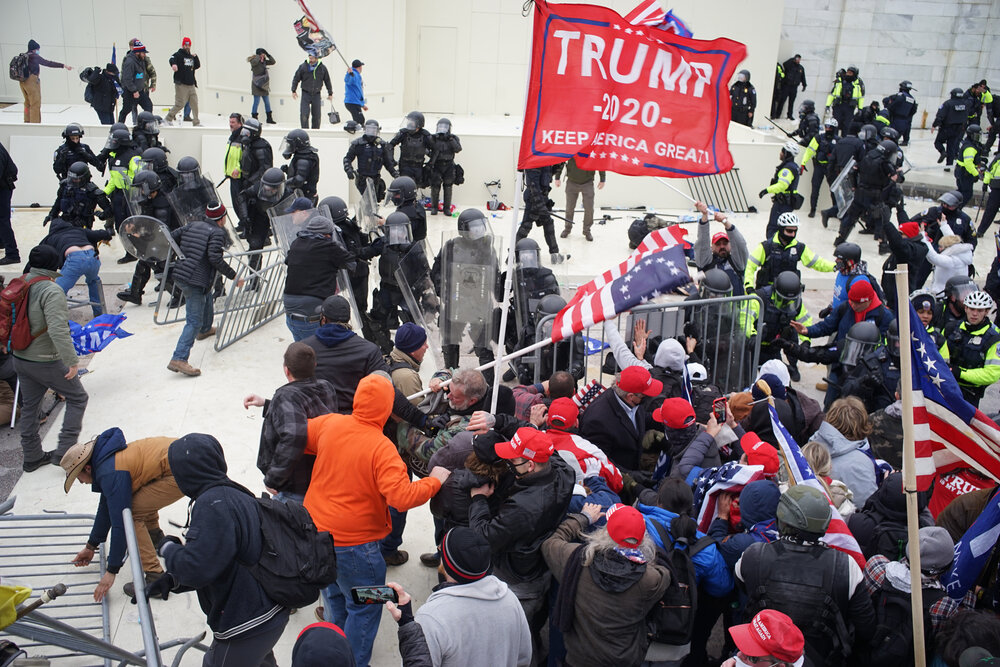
x: 565, y: 233
x: 32, y: 466
x: 206, y: 334
x: 10, y: 260
x: 432, y: 559
x: 181, y: 366
x: 395, y: 558
x: 318, y: 613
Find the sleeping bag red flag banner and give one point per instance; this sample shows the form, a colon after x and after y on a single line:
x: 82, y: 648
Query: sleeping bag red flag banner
x: 626, y: 98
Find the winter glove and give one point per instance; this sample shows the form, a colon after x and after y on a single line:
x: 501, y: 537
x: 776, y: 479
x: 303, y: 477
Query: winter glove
x: 169, y: 542
x: 161, y: 587
x: 825, y: 313
x: 350, y: 174
x: 436, y: 423
x: 763, y: 193
x: 284, y: 168
x: 46, y: 221
x: 802, y: 169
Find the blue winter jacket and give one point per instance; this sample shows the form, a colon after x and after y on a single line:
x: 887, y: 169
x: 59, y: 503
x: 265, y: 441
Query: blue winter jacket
x: 841, y: 320
x: 115, y: 487
x: 354, y: 88
x: 710, y: 570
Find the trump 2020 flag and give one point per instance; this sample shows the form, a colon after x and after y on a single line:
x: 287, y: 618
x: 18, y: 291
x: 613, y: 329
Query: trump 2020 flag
x: 625, y: 98
x: 838, y: 535
x: 655, y: 274
x: 98, y: 333
x: 949, y: 432
x: 973, y: 550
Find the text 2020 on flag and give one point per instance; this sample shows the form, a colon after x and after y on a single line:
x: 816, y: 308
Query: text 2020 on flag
x: 630, y: 99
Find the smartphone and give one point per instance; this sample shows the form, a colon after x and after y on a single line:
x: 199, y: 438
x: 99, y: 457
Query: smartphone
x: 373, y: 595
x: 719, y: 409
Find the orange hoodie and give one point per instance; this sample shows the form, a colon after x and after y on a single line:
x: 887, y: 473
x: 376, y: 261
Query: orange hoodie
x: 358, y: 472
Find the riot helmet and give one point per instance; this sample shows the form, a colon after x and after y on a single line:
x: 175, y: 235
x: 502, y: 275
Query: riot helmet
x: 831, y: 123
x: 117, y: 126
x: 148, y: 123
x: 959, y: 287
x: 863, y: 337
x: 402, y: 191
x: 852, y: 70
x: 890, y: 133
x: 120, y: 139
x: 846, y: 256
x: 528, y: 254
x: 550, y: 304
x: 72, y: 130
x: 294, y: 141
x: 956, y: 93
x: 951, y: 199
x: 443, y: 126
x: 251, y: 130
x: 414, y: 121
x: 974, y: 132
x: 372, y: 128
x: 154, y: 158
x: 337, y: 208
x: 472, y: 224
x: 79, y: 173
x: 146, y: 182
x: 906, y: 86
x: 272, y: 185
x: 351, y: 126
x: 188, y: 173
x: 888, y: 148
x: 804, y: 511
x: 397, y: 229
x: 868, y: 132
x: 715, y: 284
x: 892, y: 339
x: 807, y: 107
x: 787, y: 290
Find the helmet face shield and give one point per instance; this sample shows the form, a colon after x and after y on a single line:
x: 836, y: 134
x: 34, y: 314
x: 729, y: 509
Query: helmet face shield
x: 286, y: 148
x: 189, y: 180
x: 271, y: 193
x: 854, y: 350
x: 371, y: 129
x: 443, y: 127
x: 398, y: 234
x: 528, y: 258
x: 409, y: 124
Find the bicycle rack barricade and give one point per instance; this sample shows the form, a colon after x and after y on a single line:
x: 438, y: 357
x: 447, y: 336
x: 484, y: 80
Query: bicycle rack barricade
x: 258, y: 301
x: 723, y: 191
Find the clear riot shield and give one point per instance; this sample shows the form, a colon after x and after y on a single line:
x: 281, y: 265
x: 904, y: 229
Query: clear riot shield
x: 147, y: 238
x: 843, y: 193
x: 469, y: 271
x: 413, y: 276
x: 287, y: 226
x: 366, y: 210
x: 191, y: 198
x: 135, y: 200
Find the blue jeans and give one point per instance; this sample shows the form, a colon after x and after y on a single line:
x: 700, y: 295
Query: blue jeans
x: 360, y: 565
x: 300, y: 330
x: 83, y: 263
x: 256, y: 103
x: 198, y: 318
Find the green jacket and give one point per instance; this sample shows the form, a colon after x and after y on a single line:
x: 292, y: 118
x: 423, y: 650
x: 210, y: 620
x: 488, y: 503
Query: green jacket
x: 48, y: 313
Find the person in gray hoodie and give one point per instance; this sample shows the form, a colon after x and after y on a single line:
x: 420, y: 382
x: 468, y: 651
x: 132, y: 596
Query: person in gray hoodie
x: 448, y: 629
x: 845, y: 432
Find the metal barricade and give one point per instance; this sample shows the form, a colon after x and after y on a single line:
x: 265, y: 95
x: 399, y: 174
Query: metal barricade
x: 723, y: 191
x: 257, y: 301
x: 718, y: 325
x: 164, y: 314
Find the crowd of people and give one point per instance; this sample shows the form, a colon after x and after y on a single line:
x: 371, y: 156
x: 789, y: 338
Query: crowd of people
x: 591, y: 525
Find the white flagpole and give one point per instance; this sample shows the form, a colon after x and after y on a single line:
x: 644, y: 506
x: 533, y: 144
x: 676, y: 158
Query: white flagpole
x: 667, y: 183
x: 508, y: 284
x: 909, y: 463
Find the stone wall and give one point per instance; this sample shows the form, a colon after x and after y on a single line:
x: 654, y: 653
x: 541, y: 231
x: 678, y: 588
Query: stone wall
x: 936, y: 44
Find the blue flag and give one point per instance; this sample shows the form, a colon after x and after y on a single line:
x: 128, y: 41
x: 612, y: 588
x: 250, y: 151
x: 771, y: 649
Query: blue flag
x: 96, y: 334
x: 594, y: 345
x: 973, y: 550
x: 114, y: 53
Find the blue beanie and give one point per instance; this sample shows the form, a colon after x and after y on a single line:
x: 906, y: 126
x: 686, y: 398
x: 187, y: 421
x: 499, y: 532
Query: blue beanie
x: 410, y: 337
x: 300, y: 204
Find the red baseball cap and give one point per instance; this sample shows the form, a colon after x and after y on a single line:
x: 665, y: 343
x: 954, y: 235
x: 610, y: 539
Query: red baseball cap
x: 675, y: 413
x: 720, y: 236
x: 770, y: 633
x: 626, y: 525
x: 911, y: 229
x: 637, y: 380
x: 760, y: 453
x: 563, y: 413
x: 861, y: 290
x: 527, y: 443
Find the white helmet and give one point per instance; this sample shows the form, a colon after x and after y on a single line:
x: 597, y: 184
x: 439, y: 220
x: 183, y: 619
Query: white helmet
x: 979, y: 299
x: 791, y: 147
x: 788, y: 219
x: 831, y: 122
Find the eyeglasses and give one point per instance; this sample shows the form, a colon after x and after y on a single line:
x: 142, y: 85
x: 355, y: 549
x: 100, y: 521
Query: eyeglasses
x: 751, y: 660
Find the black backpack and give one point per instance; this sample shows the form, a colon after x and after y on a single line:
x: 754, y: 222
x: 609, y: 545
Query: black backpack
x: 888, y: 539
x: 892, y: 643
x: 19, y: 67
x: 671, y: 620
x: 296, y: 560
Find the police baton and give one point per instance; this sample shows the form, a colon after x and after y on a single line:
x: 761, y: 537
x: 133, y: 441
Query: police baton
x: 779, y: 128
x: 219, y: 185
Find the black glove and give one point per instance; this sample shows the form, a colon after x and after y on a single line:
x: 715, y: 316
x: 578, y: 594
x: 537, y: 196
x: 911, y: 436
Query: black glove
x: 161, y: 587
x: 350, y: 174
x: 46, y: 221
x: 763, y: 193
x: 166, y: 544
x: 407, y: 614
x: 109, y: 225
x: 956, y: 371
x: 825, y: 313
x: 284, y: 168
x: 435, y: 424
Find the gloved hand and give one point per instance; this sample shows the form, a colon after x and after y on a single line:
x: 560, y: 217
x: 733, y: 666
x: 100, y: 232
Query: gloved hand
x: 762, y: 193
x: 46, y: 221
x: 161, y: 587
x: 284, y: 168
x: 435, y: 424
x: 826, y: 312
x: 350, y: 174
x: 956, y: 371
x: 803, y: 87
x: 109, y: 225
x: 802, y: 169
x: 168, y: 542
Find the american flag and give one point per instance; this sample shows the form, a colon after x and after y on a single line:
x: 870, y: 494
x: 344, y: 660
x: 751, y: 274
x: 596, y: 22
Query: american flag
x: 949, y: 431
x: 577, y: 451
x: 838, y: 535
x: 656, y: 270
x: 730, y: 477
x: 649, y: 13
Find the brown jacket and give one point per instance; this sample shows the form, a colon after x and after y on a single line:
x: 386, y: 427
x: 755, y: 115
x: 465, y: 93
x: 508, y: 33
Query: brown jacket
x: 960, y: 513
x: 406, y: 379
x: 145, y: 460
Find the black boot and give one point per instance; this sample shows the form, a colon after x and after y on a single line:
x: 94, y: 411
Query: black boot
x: 270, y: 119
x: 253, y: 115
x: 131, y: 296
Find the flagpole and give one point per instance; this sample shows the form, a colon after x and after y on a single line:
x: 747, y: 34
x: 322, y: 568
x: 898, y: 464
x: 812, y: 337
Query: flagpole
x: 909, y: 464
x: 507, y: 286
x: 669, y: 185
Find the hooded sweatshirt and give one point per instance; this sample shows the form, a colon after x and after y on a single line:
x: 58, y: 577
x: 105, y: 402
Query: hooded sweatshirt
x: 950, y: 262
x: 358, y: 472
x: 850, y: 465
x: 343, y: 358
x: 224, y: 533
x: 452, y: 625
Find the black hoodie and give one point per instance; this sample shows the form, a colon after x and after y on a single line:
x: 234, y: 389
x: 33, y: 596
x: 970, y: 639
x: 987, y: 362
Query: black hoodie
x: 224, y: 532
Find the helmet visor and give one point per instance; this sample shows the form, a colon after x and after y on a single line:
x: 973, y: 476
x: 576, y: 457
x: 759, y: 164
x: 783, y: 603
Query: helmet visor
x: 371, y: 130
x: 189, y: 180
x: 443, y: 128
x: 477, y: 229
x: 286, y: 148
x: 398, y: 234
x: 528, y: 258
x: 152, y: 126
x: 409, y: 124
x: 271, y: 193
x: 854, y: 350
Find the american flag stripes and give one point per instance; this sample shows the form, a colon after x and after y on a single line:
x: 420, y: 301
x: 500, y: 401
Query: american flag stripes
x: 730, y: 477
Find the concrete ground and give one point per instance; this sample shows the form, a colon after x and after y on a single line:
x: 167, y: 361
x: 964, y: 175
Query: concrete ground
x: 130, y: 388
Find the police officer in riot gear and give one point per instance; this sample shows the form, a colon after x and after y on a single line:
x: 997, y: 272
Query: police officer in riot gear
x: 146, y: 133
x: 847, y: 147
x: 782, y: 252
x: 78, y: 197
x: 744, y: 99
x: 783, y: 189
x: 566, y: 355
x: 358, y: 244
x: 373, y: 154
x: 71, y: 151
x: 876, y: 171
x: 820, y: 149
x: 533, y: 282
x: 152, y: 203
x: 443, y: 170
x: 902, y: 107
x: 415, y: 144
x: 106, y: 150
x: 969, y: 166
x: 537, y: 185
x: 864, y: 361
x: 809, y: 123
x: 972, y: 348
x: 156, y: 159
x: 302, y: 169
x: 948, y: 122
x: 782, y: 304
x: 868, y: 134
x: 403, y: 194
x: 388, y: 297
x: 123, y: 162
x: 256, y: 159
x: 269, y: 192
x: 846, y: 97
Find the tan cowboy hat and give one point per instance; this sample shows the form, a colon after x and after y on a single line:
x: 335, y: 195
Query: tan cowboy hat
x: 74, y: 460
